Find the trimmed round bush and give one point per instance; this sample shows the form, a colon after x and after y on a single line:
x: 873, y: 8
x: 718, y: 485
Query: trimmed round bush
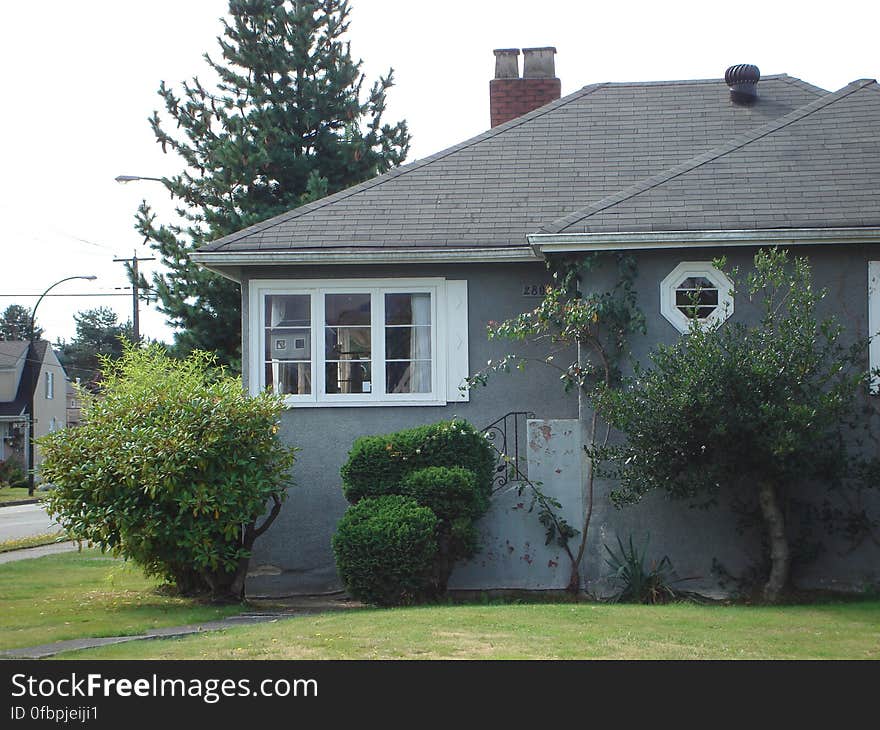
x: 385, y: 549
x: 450, y: 492
x: 377, y: 464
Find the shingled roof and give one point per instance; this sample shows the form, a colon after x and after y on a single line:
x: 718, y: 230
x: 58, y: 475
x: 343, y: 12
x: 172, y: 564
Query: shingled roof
x: 492, y: 190
x: 817, y: 167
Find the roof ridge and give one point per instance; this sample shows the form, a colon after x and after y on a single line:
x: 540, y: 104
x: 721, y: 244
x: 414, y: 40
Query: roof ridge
x: 403, y: 170
x: 560, y: 224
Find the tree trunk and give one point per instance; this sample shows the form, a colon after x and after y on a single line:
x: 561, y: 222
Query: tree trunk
x: 774, y: 520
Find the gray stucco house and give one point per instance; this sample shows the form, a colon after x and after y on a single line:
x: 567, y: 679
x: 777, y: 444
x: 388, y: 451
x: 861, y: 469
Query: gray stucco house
x: 369, y: 307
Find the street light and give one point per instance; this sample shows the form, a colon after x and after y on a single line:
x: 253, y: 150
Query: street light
x: 32, y: 356
x: 132, y: 178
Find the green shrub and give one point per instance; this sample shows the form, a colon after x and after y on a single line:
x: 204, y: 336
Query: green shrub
x: 172, y: 466
x: 11, y: 474
x: 378, y: 464
x: 450, y: 492
x: 385, y: 548
x: 446, y: 467
x: 637, y: 581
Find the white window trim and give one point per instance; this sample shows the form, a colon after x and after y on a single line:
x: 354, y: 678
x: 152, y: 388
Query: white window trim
x: 50, y: 385
x: 687, y: 269
x: 442, y: 367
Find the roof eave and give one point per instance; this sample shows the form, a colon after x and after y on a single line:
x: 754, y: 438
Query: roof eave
x: 226, y: 259
x: 549, y: 243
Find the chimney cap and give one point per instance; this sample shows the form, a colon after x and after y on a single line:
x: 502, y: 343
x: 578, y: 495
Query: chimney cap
x: 538, y: 63
x: 506, y: 63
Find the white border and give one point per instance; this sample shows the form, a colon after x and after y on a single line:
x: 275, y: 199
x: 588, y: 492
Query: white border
x: 695, y: 268
x: 259, y: 288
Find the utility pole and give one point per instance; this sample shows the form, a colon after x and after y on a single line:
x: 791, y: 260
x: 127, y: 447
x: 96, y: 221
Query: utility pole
x: 135, y: 314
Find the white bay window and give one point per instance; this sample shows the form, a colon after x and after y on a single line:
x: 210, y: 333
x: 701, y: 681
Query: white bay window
x: 359, y: 341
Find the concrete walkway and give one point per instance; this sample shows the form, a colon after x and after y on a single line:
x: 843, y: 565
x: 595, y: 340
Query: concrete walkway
x: 291, y: 607
x: 37, y: 552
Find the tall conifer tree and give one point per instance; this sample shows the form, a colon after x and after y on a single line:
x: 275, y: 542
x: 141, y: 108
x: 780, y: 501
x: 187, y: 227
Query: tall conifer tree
x: 288, y: 121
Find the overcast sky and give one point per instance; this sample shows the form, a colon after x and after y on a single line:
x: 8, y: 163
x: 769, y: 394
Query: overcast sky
x: 79, y: 81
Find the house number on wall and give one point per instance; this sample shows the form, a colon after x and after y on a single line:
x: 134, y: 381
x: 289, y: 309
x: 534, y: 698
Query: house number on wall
x: 534, y: 290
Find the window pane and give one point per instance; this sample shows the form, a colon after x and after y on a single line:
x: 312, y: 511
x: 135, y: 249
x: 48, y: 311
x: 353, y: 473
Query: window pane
x: 408, y: 309
x: 348, y: 377
x: 288, y: 311
x: 289, y: 378
x: 696, y: 282
x: 347, y: 309
x: 701, y: 297
x: 289, y: 344
x: 408, y: 377
x: 407, y: 343
x: 347, y: 343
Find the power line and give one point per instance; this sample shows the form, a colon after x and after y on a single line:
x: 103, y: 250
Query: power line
x: 98, y: 294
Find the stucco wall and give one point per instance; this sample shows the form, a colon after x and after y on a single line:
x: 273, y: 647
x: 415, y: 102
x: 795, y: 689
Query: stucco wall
x: 295, y: 556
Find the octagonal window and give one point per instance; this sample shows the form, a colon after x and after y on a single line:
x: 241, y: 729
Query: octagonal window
x: 696, y: 290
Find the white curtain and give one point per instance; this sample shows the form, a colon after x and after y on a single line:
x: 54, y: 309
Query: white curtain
x: 420, y: 345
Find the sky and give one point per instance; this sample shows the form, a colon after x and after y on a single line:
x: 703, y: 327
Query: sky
x: 80, y: 80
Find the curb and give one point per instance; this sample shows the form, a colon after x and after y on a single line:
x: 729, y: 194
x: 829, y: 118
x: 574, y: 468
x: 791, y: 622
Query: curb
x: 19, y: 502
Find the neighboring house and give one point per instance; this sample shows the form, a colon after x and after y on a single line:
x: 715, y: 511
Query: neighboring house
x: 21, y: 375
x: 368, y: 308
x: 74, y: 403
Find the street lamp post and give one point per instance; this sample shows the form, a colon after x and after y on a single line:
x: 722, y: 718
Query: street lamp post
x: 133, y: 262
x: 32, y: 358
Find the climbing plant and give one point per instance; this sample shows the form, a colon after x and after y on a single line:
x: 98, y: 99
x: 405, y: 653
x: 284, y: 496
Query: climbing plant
x: 582, y: 329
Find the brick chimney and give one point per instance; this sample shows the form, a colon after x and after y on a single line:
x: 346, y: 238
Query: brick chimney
x: 511, y: 96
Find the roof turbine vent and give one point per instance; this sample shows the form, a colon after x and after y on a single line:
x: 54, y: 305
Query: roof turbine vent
x: 743, y: 82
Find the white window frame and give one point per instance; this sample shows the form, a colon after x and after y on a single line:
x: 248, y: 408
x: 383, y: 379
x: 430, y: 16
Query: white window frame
x: 50, y: 385
x: 684, y: 270
x: 443, y: 369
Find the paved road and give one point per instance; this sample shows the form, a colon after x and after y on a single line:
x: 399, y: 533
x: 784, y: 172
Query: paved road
x: 24, y: 520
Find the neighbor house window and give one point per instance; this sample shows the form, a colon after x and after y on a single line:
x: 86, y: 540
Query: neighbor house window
x: 50, y: 385
x: 696, y: 290
x: 359, y: 342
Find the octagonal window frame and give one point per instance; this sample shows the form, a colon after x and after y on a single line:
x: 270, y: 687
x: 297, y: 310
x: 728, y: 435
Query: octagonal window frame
x: 697, y: 269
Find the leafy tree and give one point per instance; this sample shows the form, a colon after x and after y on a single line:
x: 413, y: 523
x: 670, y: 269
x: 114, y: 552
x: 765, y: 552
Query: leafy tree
x: 98, y: 335
x: 172, y: 468
x: 286, y: 124
x: 15, y: 324
x: 761, y: 409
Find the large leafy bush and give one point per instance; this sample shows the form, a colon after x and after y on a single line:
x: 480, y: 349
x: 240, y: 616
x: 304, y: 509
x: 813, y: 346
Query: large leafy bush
x: 445, y: 468
x: 172, y: 467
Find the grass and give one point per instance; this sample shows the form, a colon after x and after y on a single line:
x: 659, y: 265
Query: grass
x: 46, y: 538
x: 14, y: 494
x: 540, y: 631
x: 74, y: 595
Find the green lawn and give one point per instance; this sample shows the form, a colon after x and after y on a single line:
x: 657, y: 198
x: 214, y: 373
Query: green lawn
x: 72, y: 595
x: 540, y: 631
x: 14, y: 494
